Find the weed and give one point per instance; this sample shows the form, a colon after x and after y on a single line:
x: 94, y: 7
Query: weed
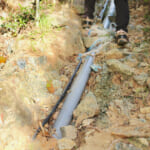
x: 147, y: 17
x: 146, y: 31
x: 33, y: 43
x: 18, y: 21
x: 45, y: 23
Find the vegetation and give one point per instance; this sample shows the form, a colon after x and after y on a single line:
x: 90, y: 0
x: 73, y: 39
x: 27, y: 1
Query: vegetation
x: 15, y: 22
x: 19, y: 20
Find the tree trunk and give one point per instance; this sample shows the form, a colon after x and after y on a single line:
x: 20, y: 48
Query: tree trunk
x: 37, y: 2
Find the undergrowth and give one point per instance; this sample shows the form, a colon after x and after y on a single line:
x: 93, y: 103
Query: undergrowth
x: 15, y: 22
x: 18, y: 21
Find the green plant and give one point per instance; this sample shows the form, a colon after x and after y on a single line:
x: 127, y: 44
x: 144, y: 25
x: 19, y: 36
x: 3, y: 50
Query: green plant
x: 16, y: 22
x: 147, y: 17
x: 45, y: 23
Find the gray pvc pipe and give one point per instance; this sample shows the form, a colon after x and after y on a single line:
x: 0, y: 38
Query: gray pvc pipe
x: 111, y: 12
x: 73, y: 97
x: 103, y: 10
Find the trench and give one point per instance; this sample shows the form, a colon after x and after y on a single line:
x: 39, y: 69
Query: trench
x: 77, y: 86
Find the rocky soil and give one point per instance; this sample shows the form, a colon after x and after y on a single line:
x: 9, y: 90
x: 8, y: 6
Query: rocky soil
x: 114, y: 111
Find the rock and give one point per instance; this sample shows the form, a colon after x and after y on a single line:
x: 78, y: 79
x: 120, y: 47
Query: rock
x: 96, y: 67
x: 87, y: 108
x: 21, y: 64
x: 144, y: 45
x: 148, y: 82
x: 87, y: 122
x: 144, y: 141
x: 88, y: 41
x: 116, y: 65
x: 145, y: 110
x: 126, y: 51
x: 141, y: 78
x: 69, y: 132
x: 64, y: 79
x: 132, y: 27
x: 147, y: 116
x: 143, y: 64
x: 124, y: 146
x: 124, y: 106
x: 141, y: 131
x: 135, y: 121
x: 137, y: 50
x: 59, y: 92
x: 114, y: 54
x: 65, y: 144
x: 42, y: 60
x: 139, y: 28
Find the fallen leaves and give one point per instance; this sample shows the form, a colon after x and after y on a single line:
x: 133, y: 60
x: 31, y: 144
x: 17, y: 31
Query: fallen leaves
x: 50, y: 86
x: 3, y: 59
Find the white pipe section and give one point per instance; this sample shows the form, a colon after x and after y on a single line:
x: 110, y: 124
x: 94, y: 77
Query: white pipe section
x: 73, y: 97
x: 111, y: 12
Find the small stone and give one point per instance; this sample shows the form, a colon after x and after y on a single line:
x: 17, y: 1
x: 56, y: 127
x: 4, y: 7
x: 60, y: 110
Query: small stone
x: 57, y: 84
x: 59, y: 92
x: 143, y: 64
x: 116, y: 65
x: 137, y: 49
x: 139, y: 28
x: 144, y: 141
x: 126, y: 51
x: 145, y: 110
x: 87, y: 122
x: 21, y: 64
x: 135, y: 121
x: 42, y: 60
x: 114, y: 54
x: 89, y: 133
x: 66, y: 144
x: 69, y: 132
x: 141, y: 78
x: 118, y: 146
